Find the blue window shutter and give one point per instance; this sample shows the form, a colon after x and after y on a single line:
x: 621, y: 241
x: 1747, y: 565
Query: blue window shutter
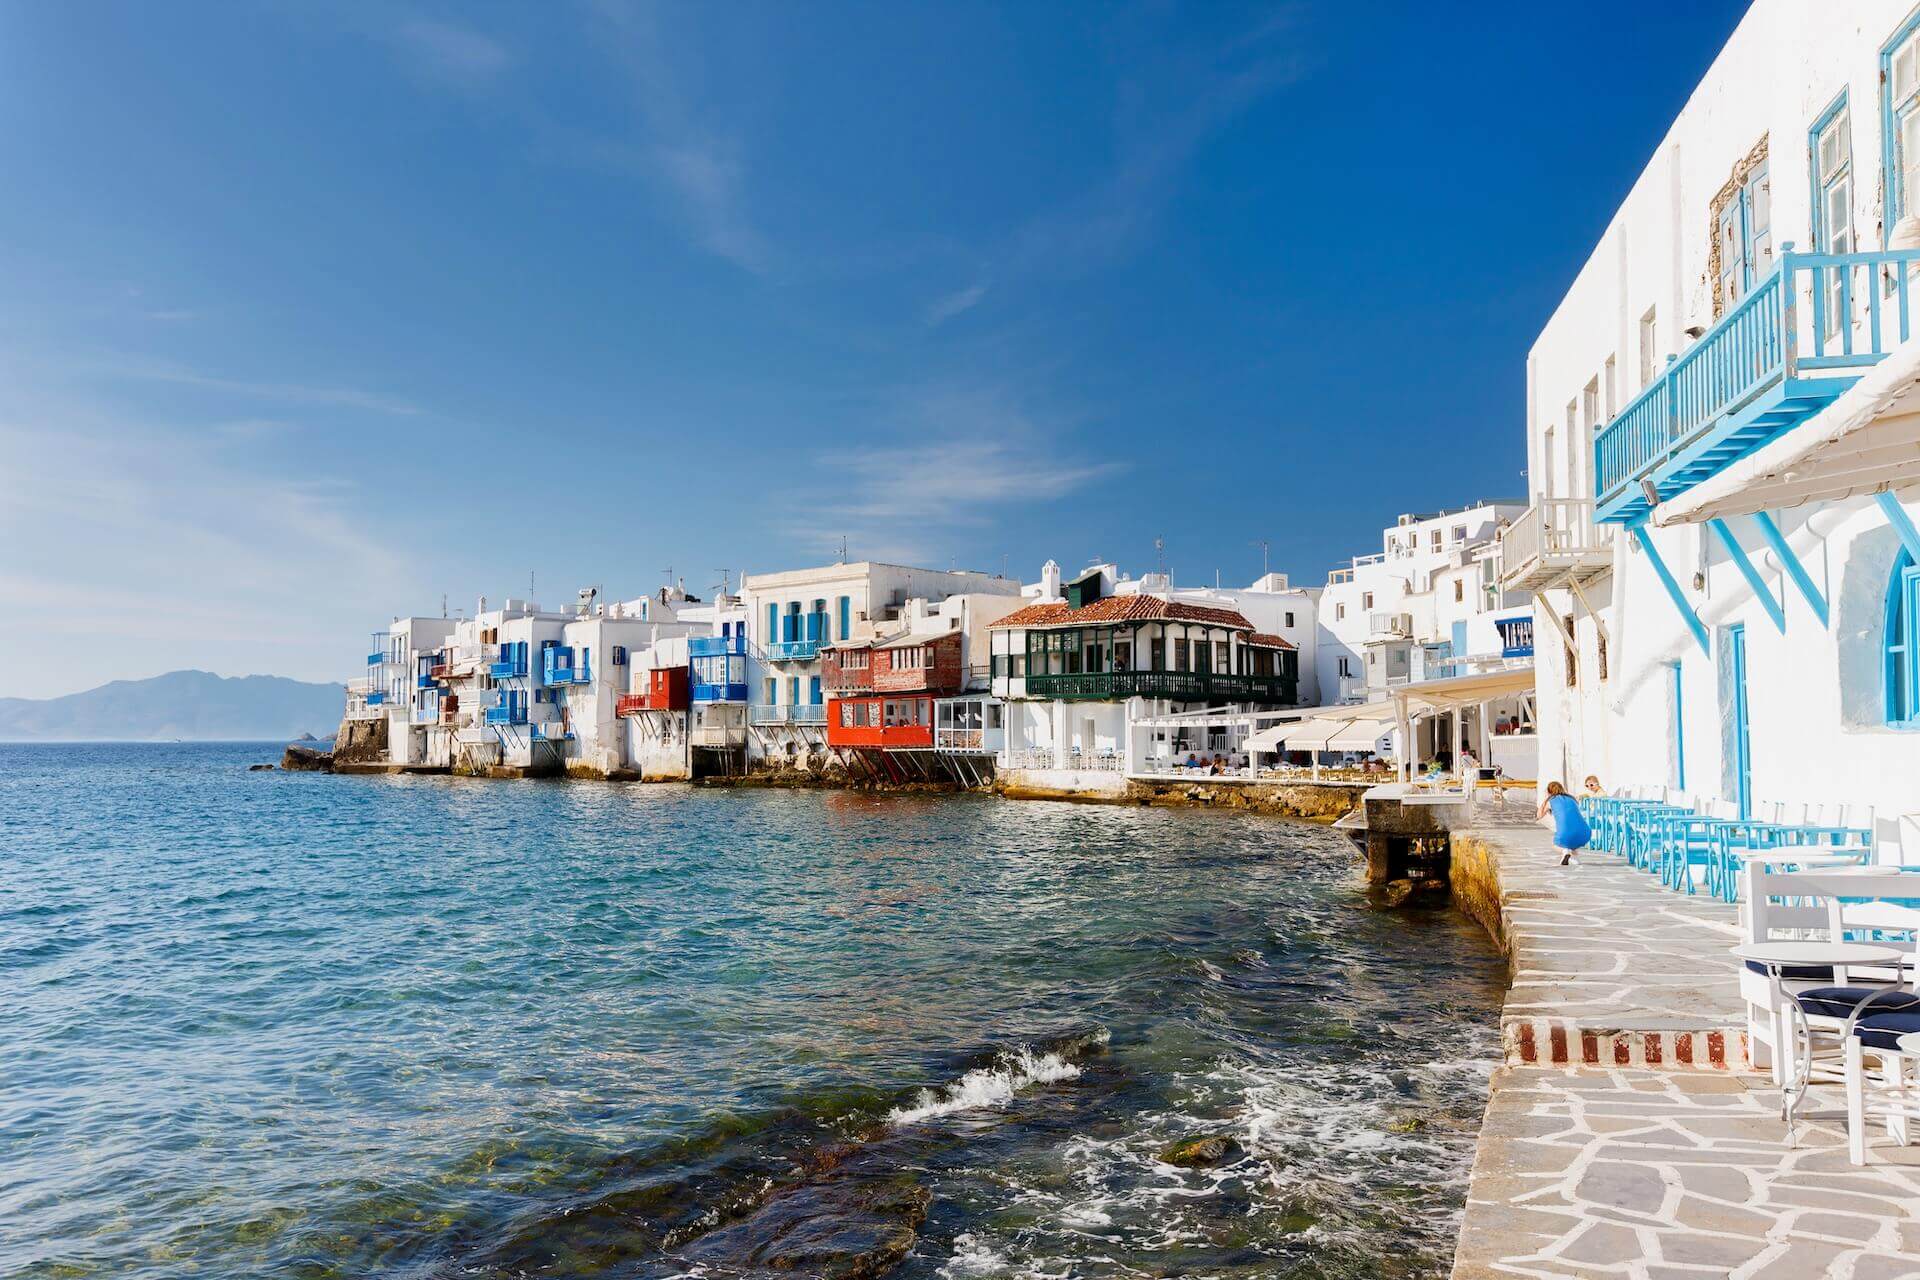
x: 846, y: 616
x: 773, y: 622
x: 815, y: 691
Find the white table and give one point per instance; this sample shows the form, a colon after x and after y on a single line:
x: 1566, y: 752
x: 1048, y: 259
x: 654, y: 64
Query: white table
x: 1786, y: 955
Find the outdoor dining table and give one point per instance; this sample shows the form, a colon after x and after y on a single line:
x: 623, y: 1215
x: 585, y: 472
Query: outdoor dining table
x: 1776, y: 956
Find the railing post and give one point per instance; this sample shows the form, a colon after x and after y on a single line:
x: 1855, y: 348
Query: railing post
x: 1789, y: 313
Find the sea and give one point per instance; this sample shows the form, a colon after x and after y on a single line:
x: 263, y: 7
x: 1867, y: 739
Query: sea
x: 298, y: 1025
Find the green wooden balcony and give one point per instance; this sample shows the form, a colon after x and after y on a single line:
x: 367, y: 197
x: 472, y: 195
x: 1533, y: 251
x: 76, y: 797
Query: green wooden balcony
x: 1183, y: 686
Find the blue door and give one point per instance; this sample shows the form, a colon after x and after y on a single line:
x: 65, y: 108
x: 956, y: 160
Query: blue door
x: 1741, y: 755
x: 814, y: 691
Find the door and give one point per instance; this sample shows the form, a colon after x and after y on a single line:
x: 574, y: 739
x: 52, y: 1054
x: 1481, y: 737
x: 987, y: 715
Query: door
x: 1733, y: 708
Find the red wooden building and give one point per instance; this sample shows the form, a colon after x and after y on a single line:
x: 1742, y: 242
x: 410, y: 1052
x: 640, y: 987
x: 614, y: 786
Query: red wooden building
x: 666, y: 691
x: 883, y: 691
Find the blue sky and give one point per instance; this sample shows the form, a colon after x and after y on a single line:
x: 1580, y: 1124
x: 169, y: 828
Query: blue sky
x: 312, y: 313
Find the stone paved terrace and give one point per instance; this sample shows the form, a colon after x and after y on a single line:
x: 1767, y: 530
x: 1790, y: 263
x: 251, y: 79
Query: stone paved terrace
x: 1608, y: 967
x: 1610, y: 1166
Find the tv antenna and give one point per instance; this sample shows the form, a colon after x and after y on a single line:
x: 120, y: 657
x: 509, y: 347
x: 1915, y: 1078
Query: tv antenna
x: 1160, y: 554
x: 1263, y: 544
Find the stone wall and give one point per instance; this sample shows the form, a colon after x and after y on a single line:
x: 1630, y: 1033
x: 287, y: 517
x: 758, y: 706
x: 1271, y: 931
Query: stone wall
x: 361, y: 742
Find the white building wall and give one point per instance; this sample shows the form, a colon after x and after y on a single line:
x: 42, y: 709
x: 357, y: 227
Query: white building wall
x: 1814, y: 693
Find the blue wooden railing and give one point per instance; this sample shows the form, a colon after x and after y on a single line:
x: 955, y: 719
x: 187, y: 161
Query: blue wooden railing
x: 1857, y: 307
x: 717, y: 646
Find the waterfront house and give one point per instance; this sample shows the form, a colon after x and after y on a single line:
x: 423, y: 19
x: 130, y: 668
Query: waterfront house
x: 1430, y: 606
x: 1088, y: 661
x: 1722, y: 451
x: 791, y: 615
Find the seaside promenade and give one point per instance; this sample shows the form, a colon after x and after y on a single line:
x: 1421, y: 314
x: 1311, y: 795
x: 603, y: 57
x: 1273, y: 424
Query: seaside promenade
x: 1625, y: 1135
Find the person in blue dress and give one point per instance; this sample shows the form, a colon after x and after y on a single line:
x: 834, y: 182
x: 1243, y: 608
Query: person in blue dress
x: 1570, y: 830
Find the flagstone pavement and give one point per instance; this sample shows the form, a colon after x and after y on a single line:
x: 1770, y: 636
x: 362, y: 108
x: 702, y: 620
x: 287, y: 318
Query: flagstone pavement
x: 1596, y: 1165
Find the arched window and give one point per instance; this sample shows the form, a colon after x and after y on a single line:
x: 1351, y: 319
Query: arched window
x: 1903, y: 644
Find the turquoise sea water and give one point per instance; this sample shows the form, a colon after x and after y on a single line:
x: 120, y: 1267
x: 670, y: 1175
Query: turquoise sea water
x: 299, y: 1025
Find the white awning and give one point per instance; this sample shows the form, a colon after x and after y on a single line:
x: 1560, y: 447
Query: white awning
x: 1355, y: 728
x: 1866, y: 441
x: 1465, y: 691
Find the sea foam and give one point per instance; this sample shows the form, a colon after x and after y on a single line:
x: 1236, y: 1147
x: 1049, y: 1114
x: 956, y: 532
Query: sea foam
x: 989, y: 1087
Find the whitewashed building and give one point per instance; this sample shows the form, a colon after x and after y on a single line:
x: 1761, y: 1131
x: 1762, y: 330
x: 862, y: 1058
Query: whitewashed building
x: 1723, y: 441
x: 790, y: 615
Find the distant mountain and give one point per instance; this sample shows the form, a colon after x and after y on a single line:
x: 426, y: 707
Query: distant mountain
x: 180, y: 704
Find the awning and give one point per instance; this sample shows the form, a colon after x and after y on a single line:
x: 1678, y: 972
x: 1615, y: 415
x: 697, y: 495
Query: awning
x: 1355, y: 728
x: 1866, y: 441
x: 1465, y: 691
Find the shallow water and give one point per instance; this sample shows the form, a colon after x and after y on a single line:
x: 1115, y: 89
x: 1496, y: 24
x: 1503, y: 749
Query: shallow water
x: 312, y: 1026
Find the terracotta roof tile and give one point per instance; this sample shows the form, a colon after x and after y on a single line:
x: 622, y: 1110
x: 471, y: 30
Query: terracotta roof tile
x: 1134, y: 608
x: 1266, y: 641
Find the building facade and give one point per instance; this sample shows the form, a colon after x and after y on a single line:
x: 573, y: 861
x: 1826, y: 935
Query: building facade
x: 1721, y: 450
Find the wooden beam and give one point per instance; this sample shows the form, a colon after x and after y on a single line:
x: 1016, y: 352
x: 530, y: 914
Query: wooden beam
x: 1687, y: 615
x: 1580, y: 594
x: 1791, y: 563
x: 1901, y: 522
x: 1761, y: 591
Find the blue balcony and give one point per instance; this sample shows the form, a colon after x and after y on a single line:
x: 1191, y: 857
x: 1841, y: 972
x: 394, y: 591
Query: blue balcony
x: 793, y: 651
x: 376, y: 699
x: 515, y: 714
x: 558, y: 667
x: 425, y: 681
x: 1750, y: 378
x: 376, y: 659
x: 719, y: 692
x: 508, y: 670
x: 734, y: 646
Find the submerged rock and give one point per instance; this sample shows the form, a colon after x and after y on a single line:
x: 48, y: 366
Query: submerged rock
x: 1198, y: 1153
x: 259, y: 768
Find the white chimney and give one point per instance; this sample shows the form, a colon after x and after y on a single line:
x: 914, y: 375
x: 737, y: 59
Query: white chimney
x: 1050, y: 580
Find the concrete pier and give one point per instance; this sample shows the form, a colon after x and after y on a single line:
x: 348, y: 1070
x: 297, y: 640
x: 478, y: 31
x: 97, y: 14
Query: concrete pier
x: 1625, y: 1136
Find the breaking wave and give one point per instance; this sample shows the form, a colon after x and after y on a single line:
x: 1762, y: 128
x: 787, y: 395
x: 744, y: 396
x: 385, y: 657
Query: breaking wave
x: 990, y: 1087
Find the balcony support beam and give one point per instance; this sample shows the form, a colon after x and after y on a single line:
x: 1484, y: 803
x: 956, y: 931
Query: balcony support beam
x: 1761, y: 591
x: 1687, y: 615
x: 1791, y: 563
x: 1586, y: 606
x: 1901, y: 522
x: 1545, y: 606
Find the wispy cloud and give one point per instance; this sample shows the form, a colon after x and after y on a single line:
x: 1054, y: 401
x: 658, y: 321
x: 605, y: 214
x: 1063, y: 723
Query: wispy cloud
x: 450, y: 52
x: 146, y: 546
x: 972, y: 460
x: 1176, y: 96
x: 143, y: 370
x: 698, y: 166
x: 960, y: 300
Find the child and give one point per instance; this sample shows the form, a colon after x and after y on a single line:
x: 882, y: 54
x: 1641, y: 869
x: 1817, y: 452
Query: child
x: 1570, y: 830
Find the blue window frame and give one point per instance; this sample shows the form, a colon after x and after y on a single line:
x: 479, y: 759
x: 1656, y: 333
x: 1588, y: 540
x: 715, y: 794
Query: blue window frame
x: 1830, y: 173
x: 1900, y: 118
x: 1745, y: 233
x: 1903, y: 644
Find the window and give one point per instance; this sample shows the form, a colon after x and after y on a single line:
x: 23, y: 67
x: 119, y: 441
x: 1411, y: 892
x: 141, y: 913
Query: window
x: 1180, y: 655
x: 1157, y: 654
x: 1903, y: 644
x: 1339, y: 612
x: 1743, y: 237
x: 1459, y: 533
x: 1366, y: 600
x: 772, y: 694
x: 1433, y: 539
x: 1900, y: 118
x: 1459, y: 591
x: 1123, y: 655
x: 1573, y: 658
x: 1590, y: 409
x: 1289, y: 622
x: 1220, y: 656
x: 1830, y: 155
x: 1649, y: 343
x: 1601, y: 641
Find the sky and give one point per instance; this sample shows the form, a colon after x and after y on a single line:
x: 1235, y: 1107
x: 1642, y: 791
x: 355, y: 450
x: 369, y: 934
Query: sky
x: 315, y: 314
